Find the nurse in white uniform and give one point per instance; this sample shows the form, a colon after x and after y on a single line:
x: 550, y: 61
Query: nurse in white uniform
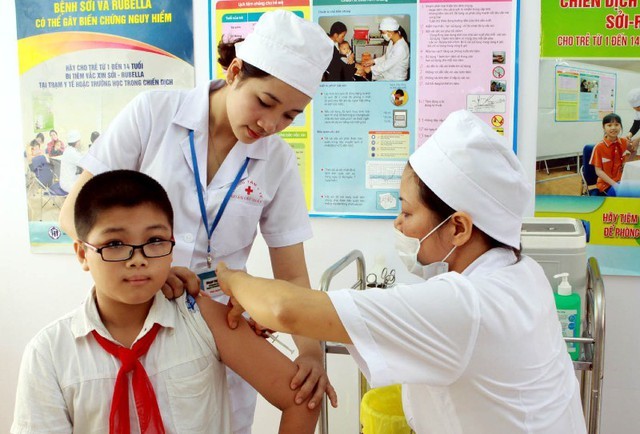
x: 394, y: 63
x: 477, y: 346
x: 215, y: 150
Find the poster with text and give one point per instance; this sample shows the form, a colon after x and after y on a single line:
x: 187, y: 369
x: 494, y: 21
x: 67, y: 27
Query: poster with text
x: 233, y: 20
x: 80, y: 62
x: 587, y: 163
x: 365, y: 112
x: 367, y: 121
x: 383, y: 93
x: 468, y: 61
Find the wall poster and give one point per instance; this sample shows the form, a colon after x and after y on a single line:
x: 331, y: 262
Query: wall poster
x: 583, y: 95
x: 460, y: 55
x: 80, y: 62
x: 369, y: 114
x: 589, y: 64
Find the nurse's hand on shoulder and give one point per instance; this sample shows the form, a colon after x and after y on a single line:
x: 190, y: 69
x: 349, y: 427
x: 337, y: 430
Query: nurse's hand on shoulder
x: 181, y: 278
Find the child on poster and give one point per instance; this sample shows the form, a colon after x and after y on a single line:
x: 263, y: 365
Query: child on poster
x: 345, y: 51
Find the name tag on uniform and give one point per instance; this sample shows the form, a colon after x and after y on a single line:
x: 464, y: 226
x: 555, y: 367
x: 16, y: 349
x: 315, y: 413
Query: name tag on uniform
x: 209, y: 282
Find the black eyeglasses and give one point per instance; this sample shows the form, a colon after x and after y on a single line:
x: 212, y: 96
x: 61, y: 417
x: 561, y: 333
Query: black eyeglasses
x: 124, y: 252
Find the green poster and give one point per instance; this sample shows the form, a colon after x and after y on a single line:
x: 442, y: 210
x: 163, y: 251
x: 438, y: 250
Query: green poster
x: 590, y: 28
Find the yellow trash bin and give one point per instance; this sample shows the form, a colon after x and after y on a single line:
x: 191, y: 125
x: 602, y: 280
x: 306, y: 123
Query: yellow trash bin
x: 381, y: 411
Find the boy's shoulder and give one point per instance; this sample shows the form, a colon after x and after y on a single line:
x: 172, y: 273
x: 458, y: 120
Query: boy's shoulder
x: 65, y: 335
x: 58, y: 335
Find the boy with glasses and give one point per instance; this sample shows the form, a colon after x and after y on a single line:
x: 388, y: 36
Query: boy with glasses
x: 127, y: 340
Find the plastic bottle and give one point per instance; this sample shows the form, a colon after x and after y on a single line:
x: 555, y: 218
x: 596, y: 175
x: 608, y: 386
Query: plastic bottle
x: 568, y: 307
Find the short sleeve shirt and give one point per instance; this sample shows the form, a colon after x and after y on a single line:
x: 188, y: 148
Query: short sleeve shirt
x: 610, y: 157
x: 151, y: 135
x: 479, y: 352
x: 66, y: 379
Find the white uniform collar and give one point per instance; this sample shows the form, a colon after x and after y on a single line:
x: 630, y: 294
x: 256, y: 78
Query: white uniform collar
x: 87, y: 319
x: 193, y: 114
x: 491, y: 260
x: 190, y: 115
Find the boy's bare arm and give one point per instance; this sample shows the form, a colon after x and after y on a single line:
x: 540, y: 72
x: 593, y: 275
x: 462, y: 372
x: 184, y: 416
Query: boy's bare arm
x: 261, y: 365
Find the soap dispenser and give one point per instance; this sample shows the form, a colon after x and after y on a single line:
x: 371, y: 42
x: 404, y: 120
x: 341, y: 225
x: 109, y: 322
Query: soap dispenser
x: 568, y: 307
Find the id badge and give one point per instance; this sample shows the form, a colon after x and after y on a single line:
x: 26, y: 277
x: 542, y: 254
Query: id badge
x: 209, y: 283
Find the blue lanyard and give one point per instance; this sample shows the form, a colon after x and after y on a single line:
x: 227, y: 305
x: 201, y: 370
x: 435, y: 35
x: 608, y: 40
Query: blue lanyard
x: 223, y: 205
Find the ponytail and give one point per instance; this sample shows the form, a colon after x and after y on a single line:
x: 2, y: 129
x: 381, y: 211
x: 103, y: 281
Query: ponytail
x: 226, y: 54
x: 227, y: 51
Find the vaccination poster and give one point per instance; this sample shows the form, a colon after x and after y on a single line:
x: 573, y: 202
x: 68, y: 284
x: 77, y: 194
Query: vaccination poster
x: 364, y: 117
x: 80, y: 62
x: 355, y: 138
x: 589, y: 63
x: 582, y: 94
x: 460, y: 55
x: 233, y: 21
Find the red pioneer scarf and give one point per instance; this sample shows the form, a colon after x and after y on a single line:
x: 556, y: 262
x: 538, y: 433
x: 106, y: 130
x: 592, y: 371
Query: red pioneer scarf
x: 146, y: 403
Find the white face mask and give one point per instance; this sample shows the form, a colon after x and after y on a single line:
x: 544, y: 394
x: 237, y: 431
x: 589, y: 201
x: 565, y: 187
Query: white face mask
x: 386, y: 37
x: 408, y: 248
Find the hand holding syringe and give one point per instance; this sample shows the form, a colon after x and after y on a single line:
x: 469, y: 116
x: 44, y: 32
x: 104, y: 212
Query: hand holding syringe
x: 237, y: 311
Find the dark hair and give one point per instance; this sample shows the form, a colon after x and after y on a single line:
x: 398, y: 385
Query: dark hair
x: 404, y: 35
x: 40, y: 136
x: 34, y: 143
x: 94, y: 136
x: 117, y: 188
x: 226, y: 54
x: 53, y: 131
x: 611, y: 117
x: 337, y: 28
x: 442, y: 211
x: 399, y: 92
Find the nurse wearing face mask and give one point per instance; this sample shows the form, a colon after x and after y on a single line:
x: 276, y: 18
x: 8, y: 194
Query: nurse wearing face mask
x: 394, y: 64
x: 477, y: 346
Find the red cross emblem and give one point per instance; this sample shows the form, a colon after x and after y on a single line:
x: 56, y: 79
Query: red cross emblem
x: 249, y: 190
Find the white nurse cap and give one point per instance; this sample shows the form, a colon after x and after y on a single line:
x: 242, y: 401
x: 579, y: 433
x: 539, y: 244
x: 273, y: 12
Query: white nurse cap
x: 472, y: 168
x: 389, y: 24
x: 634, y: 97
x: 73, y: 136
x: 289, y: 48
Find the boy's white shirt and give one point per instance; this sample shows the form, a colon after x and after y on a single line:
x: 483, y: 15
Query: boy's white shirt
x: 66, y: 379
